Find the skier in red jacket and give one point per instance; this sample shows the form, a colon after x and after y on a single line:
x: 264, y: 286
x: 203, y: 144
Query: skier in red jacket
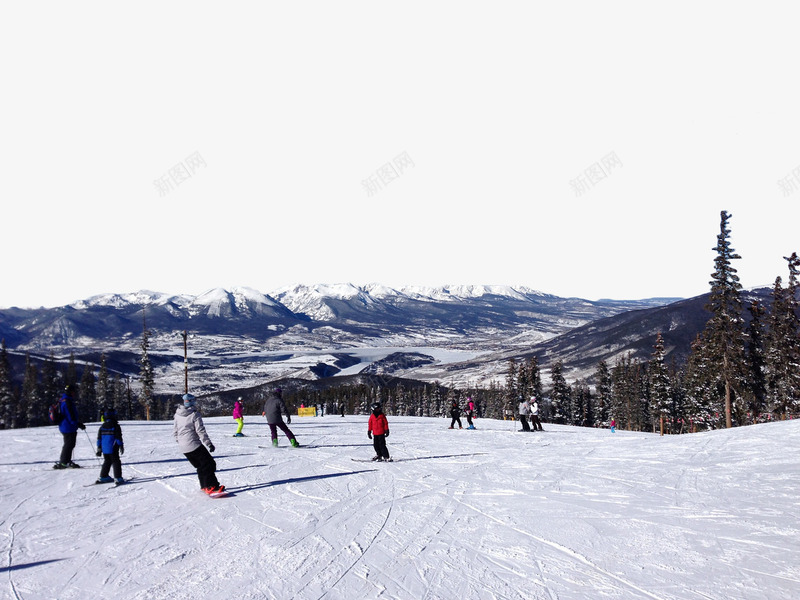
x: 378, y: 431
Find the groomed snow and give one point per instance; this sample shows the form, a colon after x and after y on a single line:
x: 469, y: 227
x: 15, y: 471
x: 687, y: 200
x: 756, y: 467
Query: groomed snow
x: 568, y: 513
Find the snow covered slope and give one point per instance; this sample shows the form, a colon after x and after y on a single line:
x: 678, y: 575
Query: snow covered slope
x: 568, y: 513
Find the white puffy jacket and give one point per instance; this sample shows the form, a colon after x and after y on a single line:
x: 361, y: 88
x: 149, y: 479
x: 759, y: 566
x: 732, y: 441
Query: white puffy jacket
x: 188, y: 430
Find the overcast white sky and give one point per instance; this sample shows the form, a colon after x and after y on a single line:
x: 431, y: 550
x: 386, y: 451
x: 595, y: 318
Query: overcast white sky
x: 279, y: 113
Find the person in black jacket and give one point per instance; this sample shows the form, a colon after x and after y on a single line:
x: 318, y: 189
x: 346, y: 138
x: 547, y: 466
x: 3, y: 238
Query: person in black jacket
x: 110, y: 445
x: 274, y: 409
x: 455, y: 414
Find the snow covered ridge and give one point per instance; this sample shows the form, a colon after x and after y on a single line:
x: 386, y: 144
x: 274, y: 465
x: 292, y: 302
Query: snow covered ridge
x: 300, y: 297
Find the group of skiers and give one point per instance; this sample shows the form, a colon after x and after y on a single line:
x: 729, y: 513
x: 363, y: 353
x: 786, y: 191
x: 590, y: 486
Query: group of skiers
x: 529, y: 408
x: 195, y: 444
x: 455, y: 414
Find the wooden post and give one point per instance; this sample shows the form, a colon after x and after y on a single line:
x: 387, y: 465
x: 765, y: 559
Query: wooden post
x: 185, y: 365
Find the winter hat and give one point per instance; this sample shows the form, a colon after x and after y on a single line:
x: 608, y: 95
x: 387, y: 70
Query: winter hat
x: 189, y: 400
x: 109, y: 413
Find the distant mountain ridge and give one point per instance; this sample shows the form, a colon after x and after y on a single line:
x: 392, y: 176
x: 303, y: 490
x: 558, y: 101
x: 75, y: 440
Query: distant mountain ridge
x: 241, y: 335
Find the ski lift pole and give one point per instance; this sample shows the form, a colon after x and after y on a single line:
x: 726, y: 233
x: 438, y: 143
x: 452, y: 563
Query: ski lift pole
x: 185, y: 365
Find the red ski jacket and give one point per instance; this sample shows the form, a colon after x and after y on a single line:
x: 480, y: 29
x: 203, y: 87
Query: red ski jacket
x: 378, y: 425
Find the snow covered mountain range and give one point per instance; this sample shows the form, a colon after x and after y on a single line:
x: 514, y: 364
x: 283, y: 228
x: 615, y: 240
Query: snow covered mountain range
x: 242, y: 336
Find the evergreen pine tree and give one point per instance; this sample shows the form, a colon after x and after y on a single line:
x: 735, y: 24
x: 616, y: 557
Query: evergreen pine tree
x: 660, y: 388
x: 146, y: 377
x: 755, y: 394
x: 603, y: 393
x: 700, y: 385
x: 87, y: 396
x: 512, y: 385
x: 71, y: 374
x: 7, y: 402
x: 624, y: 393
x: 783, y: 345
x: 118, y: 397
x: 723, y: 335
x: 31, y: 406
x: 51, y: 385
x: 103, y: 386
x: 560, y: 398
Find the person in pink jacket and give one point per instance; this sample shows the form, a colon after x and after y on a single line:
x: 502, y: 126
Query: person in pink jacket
x: 238, y: 417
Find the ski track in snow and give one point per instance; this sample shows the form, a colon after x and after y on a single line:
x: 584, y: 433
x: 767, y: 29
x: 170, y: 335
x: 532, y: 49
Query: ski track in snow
x: 490, y: 514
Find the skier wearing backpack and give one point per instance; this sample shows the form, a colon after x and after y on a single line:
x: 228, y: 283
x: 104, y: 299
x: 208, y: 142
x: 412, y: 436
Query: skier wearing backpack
x: 110, y: 445
x: 68, y: 426
x: 193, y: 441
x: 274, y: 408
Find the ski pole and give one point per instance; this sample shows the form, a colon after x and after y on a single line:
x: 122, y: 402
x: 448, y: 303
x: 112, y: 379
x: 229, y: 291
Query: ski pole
x: 94, y: 451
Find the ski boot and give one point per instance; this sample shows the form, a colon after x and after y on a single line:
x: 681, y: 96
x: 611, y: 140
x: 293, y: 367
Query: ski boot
x: 104, y: 480
x: 119, y: 481
x: 60, y: 465
x: 73, y: 465
x: 275, y: 443
x: 294, y: 443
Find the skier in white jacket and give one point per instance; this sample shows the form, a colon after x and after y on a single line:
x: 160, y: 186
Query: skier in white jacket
x: 536, y: 424
x: 524, y: 411
x: 193, y: 441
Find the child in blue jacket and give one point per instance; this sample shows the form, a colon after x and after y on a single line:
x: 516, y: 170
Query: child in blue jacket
x: 110, y: 445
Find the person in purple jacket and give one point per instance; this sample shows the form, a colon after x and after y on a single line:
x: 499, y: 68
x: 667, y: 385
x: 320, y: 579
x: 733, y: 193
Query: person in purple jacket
x: 238, y: 417
x: 69, y: 425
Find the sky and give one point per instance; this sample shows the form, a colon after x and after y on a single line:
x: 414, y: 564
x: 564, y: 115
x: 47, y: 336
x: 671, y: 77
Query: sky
x: 577, y: 148
x: 490, y: 514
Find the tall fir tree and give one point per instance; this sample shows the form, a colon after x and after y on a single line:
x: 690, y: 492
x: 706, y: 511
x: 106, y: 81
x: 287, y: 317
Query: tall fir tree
x: 700, y: 384
x: 32, y: 409
x: 71, y: 373
x: 723, y: 335
x: 146, y: 375
x: 7, y: 395
x: 51, y: 383
x: 512, y: 384
x: 624, y: 393
x: 755, y: 389
x: 560, y: 397
x: 602, y: 392
x: 103, y: 386
x: 87, y: 395
x: 660, y: 387
x: 783, y: 345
